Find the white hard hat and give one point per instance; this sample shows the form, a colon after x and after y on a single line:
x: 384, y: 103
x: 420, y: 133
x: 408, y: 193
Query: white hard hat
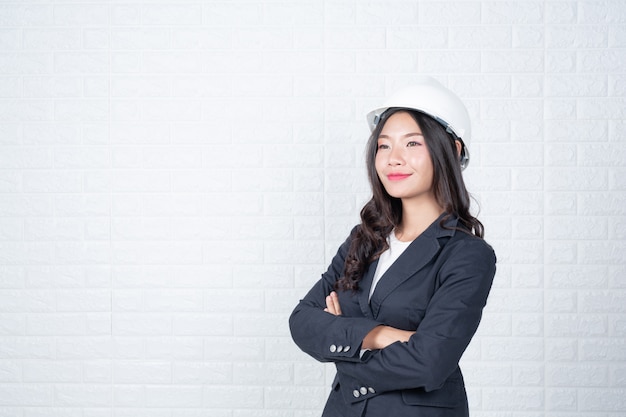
x: 428, y: 96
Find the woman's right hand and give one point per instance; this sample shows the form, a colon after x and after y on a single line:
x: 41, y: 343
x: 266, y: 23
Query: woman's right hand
x: 332, y: 304
x: 382, y: 336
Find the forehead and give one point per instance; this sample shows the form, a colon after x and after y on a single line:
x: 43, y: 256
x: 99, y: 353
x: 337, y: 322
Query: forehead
x: 400, y: 123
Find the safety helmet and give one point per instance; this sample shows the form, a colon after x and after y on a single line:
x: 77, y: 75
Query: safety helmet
x: 428, y: 96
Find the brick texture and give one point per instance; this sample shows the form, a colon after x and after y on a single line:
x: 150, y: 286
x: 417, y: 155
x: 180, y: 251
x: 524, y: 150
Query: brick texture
x: 174, y: 177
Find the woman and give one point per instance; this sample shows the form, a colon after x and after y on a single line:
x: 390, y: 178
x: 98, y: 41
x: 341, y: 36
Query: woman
x: 404, y: 294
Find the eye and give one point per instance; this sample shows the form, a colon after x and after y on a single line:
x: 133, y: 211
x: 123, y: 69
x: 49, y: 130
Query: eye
x: 383, y: 146
x: 412, y: 143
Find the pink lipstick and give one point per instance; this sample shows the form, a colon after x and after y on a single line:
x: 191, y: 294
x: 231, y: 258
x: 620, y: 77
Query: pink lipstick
x: 397, y: 177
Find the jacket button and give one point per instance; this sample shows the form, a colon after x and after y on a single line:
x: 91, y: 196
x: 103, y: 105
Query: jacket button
x: 333, y: 348
x: 339, y: 349
x: 356, y: 393
x: 363, y: 390
x: 346, y: 348
x: 371, y: 390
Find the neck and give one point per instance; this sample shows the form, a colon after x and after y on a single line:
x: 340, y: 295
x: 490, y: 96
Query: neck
x: 416, y: 217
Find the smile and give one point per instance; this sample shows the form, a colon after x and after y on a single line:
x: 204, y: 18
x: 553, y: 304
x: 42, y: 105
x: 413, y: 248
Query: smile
x: 397, y: 177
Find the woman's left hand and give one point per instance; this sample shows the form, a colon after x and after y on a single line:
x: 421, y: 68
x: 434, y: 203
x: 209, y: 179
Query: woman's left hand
x: 332, y: 304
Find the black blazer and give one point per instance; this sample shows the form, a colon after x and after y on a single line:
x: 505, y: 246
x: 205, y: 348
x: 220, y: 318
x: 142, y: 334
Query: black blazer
x: 437, y: 287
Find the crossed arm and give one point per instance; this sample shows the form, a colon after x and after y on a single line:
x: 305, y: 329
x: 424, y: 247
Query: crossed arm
x: 379, y: 337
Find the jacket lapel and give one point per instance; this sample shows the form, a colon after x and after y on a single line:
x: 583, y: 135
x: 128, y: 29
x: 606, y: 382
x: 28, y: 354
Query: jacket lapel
x: 415, y: 257
x: 364, y: 286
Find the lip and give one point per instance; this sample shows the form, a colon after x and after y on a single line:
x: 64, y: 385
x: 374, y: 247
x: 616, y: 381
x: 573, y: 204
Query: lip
x: 397, y: 176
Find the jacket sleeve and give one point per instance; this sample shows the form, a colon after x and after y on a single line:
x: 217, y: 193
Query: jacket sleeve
x: 452, y: 316
x: 324, y: 336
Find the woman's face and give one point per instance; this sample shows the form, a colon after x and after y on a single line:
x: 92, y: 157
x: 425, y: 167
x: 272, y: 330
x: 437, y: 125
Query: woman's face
x: 403, y: 162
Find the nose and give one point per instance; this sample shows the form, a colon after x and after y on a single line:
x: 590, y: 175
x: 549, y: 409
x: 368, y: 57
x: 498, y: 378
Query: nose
x: 395, y: 156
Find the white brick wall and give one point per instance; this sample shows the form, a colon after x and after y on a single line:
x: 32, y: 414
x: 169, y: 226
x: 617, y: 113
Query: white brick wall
x: 174, y: 176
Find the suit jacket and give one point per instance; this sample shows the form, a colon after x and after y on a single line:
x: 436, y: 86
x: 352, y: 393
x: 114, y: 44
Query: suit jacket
x: 438, y: 288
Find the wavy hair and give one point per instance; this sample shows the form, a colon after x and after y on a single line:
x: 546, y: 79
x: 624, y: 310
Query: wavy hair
x: 382, y: 213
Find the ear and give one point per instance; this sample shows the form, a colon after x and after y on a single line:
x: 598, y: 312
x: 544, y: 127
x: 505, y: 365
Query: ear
x: 459, y: 147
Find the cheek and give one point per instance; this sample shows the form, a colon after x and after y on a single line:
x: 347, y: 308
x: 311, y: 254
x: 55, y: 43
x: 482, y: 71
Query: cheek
x: 379, y: 164
x: 423, y: 162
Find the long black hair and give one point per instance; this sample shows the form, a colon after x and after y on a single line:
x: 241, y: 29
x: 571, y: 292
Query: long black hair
x: 382, y: 213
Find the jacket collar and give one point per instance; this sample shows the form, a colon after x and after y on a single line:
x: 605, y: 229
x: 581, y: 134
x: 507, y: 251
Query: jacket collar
x: 415, y: 257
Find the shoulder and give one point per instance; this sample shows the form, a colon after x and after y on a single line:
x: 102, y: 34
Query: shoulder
x: 344, y: 247
x: 467, y: 259
x: 467, y: 245
x: 354, y: 233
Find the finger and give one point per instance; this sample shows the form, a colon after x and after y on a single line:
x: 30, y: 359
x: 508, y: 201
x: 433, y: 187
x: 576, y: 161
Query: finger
x: 330, y: 307
x: 335, y: 299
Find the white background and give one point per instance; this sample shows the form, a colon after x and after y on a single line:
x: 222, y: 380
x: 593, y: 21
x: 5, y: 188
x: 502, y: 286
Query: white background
x: 174, y: 176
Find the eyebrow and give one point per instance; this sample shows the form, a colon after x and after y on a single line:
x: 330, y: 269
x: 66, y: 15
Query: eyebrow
x: 408, y: 135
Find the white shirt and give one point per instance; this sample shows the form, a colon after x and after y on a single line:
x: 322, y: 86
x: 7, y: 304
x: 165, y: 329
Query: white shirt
x: 388, y: 257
